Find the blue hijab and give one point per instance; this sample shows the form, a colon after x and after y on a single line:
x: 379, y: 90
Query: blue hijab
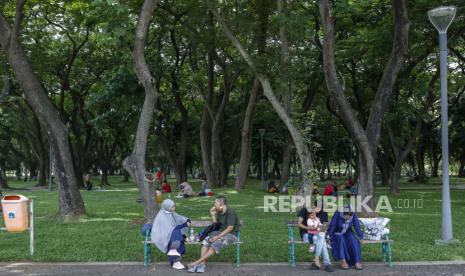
x: 347, y: 222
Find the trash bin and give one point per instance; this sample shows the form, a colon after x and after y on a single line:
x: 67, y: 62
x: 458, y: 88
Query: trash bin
x: 15, y: 213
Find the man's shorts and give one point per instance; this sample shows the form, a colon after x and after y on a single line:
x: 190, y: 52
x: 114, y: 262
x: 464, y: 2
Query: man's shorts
x: 222, y: 242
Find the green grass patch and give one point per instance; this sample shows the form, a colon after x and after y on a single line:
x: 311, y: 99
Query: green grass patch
x: 109, y: 231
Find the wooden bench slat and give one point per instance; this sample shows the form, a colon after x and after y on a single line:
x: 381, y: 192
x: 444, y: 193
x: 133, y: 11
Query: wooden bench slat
x: 205, y: 223
x: 380, y: 241
x: 189, y: 242
x: 200, y: 223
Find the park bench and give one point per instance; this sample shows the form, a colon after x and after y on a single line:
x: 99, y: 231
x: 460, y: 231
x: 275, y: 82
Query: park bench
x: 386, y: 250
x: 195, y: 224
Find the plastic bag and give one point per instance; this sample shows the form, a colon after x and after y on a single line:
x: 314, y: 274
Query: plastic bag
x: 375, y: 228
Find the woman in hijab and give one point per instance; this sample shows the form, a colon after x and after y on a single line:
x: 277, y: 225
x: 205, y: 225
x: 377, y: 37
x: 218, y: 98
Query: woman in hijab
x: 167, y: 233
x: 345, y: 246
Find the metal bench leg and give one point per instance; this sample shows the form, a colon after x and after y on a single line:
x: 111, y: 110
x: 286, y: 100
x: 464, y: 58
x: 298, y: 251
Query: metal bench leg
x: 291, y: 246
x: 383, y: 252
x: 238, y: 250
x: 147, y: 250
x: 389, y: 251
x: 288, y: 241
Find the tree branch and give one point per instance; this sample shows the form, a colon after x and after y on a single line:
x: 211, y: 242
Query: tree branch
x: 231, y: 37
x: 391, y: 72
x: 6, y: 87
x: 18, y: 17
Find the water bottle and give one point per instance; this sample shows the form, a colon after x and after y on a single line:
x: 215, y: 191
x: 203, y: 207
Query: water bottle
x: 191, y: 236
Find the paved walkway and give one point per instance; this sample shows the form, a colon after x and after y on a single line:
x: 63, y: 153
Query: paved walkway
x: 223, y: 269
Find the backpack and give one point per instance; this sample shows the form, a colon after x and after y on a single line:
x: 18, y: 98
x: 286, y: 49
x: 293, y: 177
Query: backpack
x: 207, y: 230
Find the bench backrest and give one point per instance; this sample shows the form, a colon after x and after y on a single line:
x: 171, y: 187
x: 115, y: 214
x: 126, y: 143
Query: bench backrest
x: 205, y: 223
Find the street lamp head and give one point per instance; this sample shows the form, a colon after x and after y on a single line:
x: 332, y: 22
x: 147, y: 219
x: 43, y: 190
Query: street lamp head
x: 262, y: 131
x: 442, y: 17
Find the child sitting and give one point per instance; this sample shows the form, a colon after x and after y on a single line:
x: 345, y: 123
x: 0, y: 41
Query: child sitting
x: 314, y: 227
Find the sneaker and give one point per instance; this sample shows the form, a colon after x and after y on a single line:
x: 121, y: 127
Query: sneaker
x: 192, y: 269
x: 201, y: 268
x: 314, y: 267
x: 311, y: 249
x: 329, y: 268
x: 178, y: 265
x: 174, y: 252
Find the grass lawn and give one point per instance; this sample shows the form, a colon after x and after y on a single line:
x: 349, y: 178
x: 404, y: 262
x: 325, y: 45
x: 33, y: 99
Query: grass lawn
x: 109, y: 231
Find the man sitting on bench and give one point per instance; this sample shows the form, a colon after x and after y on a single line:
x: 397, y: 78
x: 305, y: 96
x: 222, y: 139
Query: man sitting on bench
x: 216, y: 240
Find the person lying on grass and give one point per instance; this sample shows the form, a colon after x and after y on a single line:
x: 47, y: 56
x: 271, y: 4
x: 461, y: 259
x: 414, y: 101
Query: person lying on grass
x: 167, y: 233
x: 226, y: 234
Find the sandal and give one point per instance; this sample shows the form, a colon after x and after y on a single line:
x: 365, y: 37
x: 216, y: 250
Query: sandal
x: 344, y: 265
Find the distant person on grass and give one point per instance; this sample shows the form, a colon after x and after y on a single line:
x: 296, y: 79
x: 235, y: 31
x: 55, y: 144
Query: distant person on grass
x: 346, y: 247
x: 226, y: 234
x: 166, y: 187
x: 167, y: 233
x: 185, y: 190
x: 205, y: 189
x: 88, y: 181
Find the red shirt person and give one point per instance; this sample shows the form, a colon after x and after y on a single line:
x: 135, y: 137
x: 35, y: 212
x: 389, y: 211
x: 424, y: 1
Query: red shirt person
x: 166, y: 187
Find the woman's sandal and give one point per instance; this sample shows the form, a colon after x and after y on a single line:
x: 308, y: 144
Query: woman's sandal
x: 344, y: 266
x: 358, y: 267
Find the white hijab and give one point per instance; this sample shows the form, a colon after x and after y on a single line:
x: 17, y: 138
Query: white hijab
x: 163, y: 225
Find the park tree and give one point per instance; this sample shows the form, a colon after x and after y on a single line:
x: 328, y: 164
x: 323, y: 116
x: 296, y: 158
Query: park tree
x: 135, y: 162
x: 303, y: 151
x: 366, y: 138
x: 70, y: 200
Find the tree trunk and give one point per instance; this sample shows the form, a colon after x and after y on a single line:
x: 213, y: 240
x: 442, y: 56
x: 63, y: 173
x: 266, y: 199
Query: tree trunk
x: 180, y: 168
x: 462, y: 167
x: 286, y: 165
x: 180, y: 165
x: 3, y: 178
x: 420, y: 156
x: 135, y: 162
x: 435, y: 169
x: 70, y: 200
x: 303, y: 152
x: 366, y: 140
x: 42, y: 180
x: 284, y: 89
x: 400, y: 154
x: 246, y: 134
x: 32, y: 166
x: 125, y: 176
x: 217, y: 154
x: 366, y: 178
x: 205, y: 142
x: 395, y: 176
x: 385, y: 168
x: 41, y: 155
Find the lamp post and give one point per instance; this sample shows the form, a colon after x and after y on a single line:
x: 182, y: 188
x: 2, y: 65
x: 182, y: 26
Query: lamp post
x: 262, y: 132
x: 441, y: 18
